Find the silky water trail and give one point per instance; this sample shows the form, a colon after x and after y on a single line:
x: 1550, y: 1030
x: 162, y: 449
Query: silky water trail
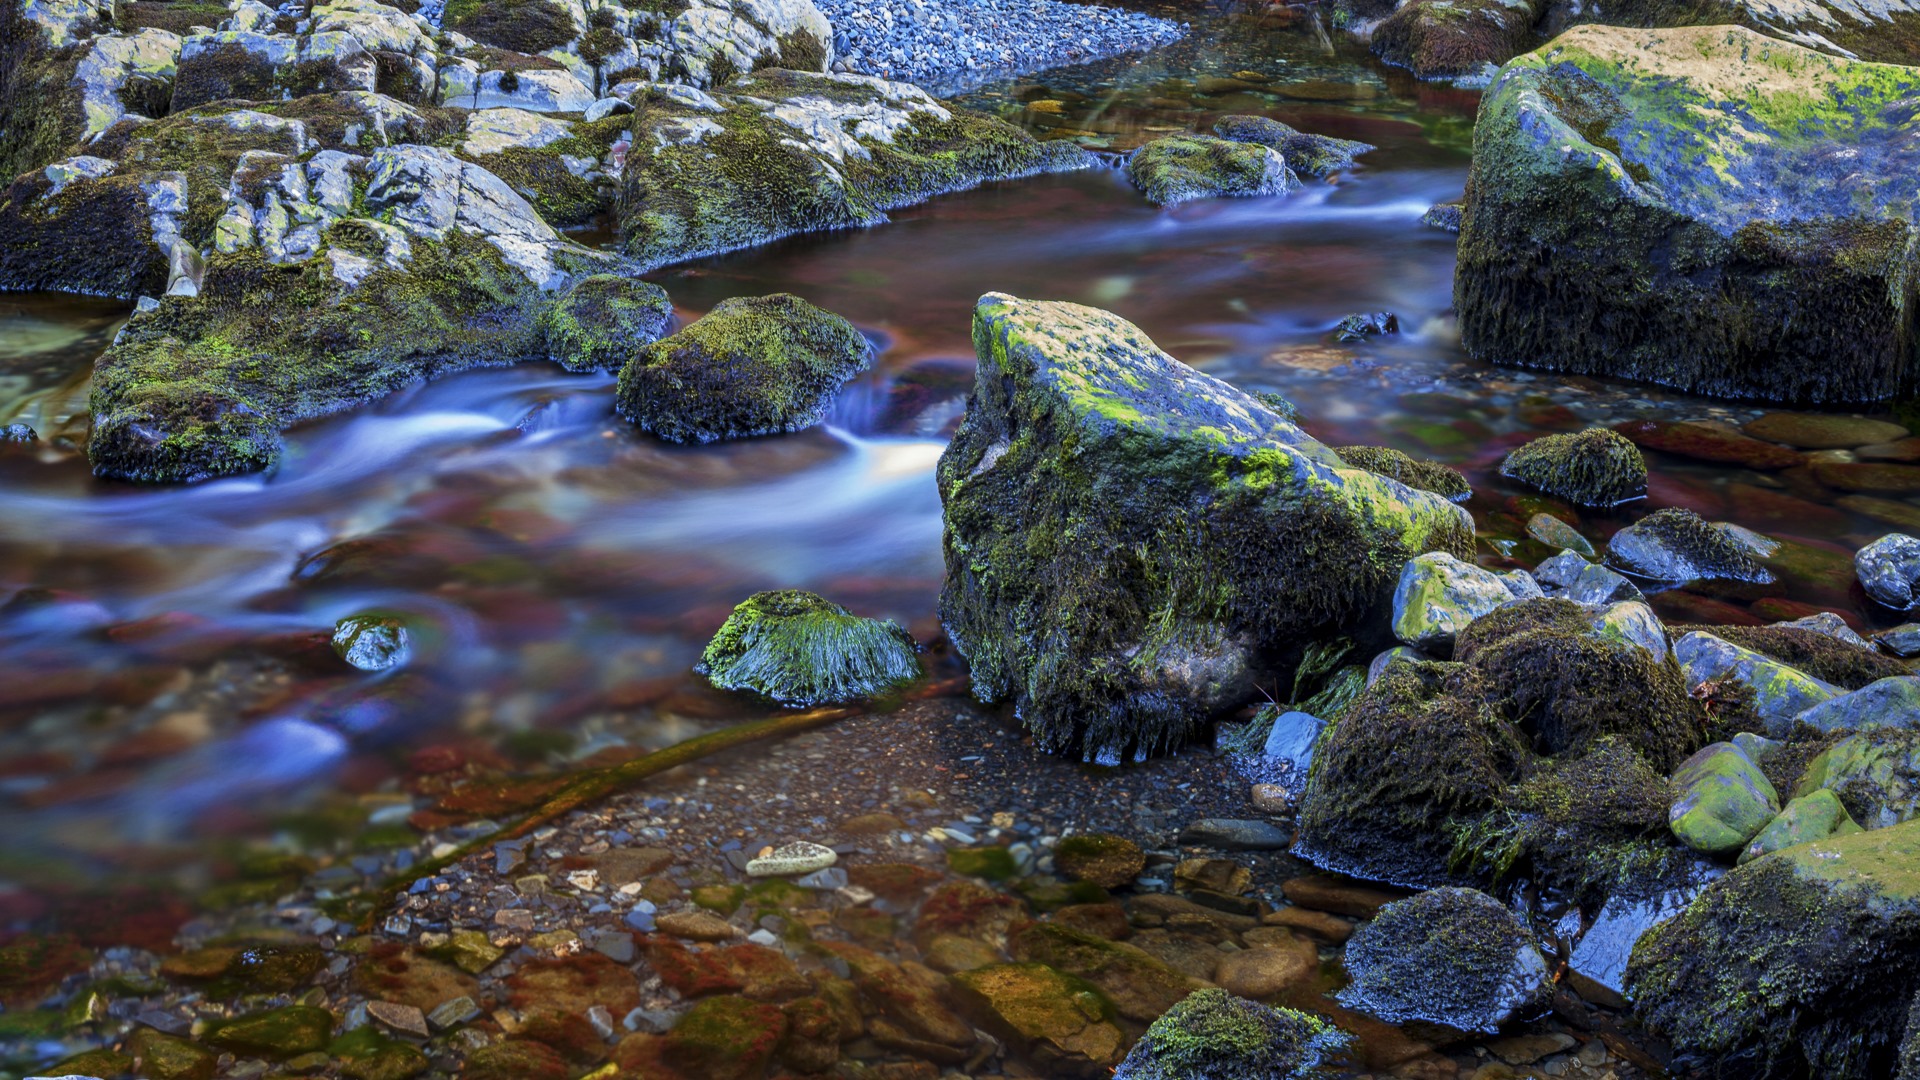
x: 167, y: 696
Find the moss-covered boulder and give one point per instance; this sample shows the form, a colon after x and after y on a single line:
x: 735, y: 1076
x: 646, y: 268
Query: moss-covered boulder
x: 784, y: 152
x: 1414, y: 472
x: 1704, y: 208
x: 1438, y: 596
x: 1770, y: 693
x: 1061, y: 1023
x: 1723, y: 800
x: 1875, y: 774
x: 1212, y: 1035
x: 1443, y: 39
x: 1306, y: 154
x: 800, y: 649
x: 755, y: 365
x: 1810, y: 817
x: 1453, y: 957
x: 1801, y: 963
x: 1131, y: 543
x: 522, y: 26
x: 712, y: 41
x: 1177, y: 168
x: 604, y: 321
x: 1596, y: 467
x: 1823, y: 656
x: 1676, y: 544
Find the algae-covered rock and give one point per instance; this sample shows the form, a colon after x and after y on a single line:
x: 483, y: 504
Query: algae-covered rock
x: 1140, y: 986
x: 1454, y: 957
x: 604, y: 321
x: 1438, y: 39
x: 1704, y: 208
x: 1810, y: 817
x: 802, y: 650
x: 1101, y: 858
x: 1411, y: 471
x: 1889, y: 569
x: 276, y: 1033
x: 1212, y: 1035
x: 754, y: 365
x: 1797, y: 964
x: 1177, y: 168
x: 1596, y: 467
x: 1772, y: 693
x: 1674, y: 544
x: 1438, y: 596
x: 725, y: 1038
x: 1129, y: 541
x: 1876, y: 775
x: 1306, y: 154
x: 1061, y: 1023
x: 783, y: 152
x: 1724, y: 800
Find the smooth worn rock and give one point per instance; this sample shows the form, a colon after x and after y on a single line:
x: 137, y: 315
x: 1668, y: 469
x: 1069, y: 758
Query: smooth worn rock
x: 1822, y: 431
x: 1100, y: 858
x: 1798, y: 964
x: 1449, y: 956
x: 1596, y: 467
x: 1889, y: 569
x: 799, y: 649
x: 1567, y: 576
x: 1305, y: 154
x: 1723, y: 800
x: 1902, y: 640
x: 1811, y: 817
x: 1674, y: 544
x: 1179, y: 168
x: 1291, y: 740
x: 1776, y: 693
x: 1269, y: 970
x: 798, y: 857
x: 1057, y: 529
x: 1704, y: 443
x: 1556, y: 533
x: 1438, y: 596
x: 1891, y: 702
x: 1212, y: 1035
x: 1229, y: 834
x: 752, y: 366
x: 1599, y: 155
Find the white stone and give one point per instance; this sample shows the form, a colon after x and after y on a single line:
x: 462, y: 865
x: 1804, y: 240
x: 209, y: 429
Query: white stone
x: 490, y: 131
x: 798, y: 857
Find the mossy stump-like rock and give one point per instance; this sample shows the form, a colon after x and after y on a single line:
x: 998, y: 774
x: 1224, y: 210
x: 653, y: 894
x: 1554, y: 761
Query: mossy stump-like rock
x: 1177, y: 168
x: 604, y: 321
x: 754, y: 365
x: 1596, y: 467
x: 798, y: 649
x: 1799, y: 963
x: 1212, y: 1035
x: 1704, y: 208
x: 1131, y: 543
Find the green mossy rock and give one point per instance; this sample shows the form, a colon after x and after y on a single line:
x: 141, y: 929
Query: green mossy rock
x: 1453, y: 957
x: 1305, y: 154
x: 800, y: 650
x: 784, y: 152
x: 1212, y: 1035
x: 1724, y: 800
x: 1177, y: 168
x: 1802, y: 821
x: 1140, y: 986
x: 516, y: 1059
x: 1676, y: 544
x: 605, y: 320
x: 1099, y: 858
x: 754, y: 365
x: 1061, y: 1023
x: 277, y: 1033
x: 988, y: 863
x: 1820, y: 656
x: 523, y: 26
x: 1417, y: 473
x: 1596, y: 467
x: 726, y: 1038
x: 1440, y: 39
x: 1762, y: 693
x: 1876, y: 775
x: 165, y: 1057
x: 1801, y: 963
x: 1438, y: 596
x: 1893, y: 702
x: 1704, y: 208
x: 1131, y: 543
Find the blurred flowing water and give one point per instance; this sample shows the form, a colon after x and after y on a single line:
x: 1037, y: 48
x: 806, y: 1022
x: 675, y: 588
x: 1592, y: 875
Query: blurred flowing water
x: 166, y: 687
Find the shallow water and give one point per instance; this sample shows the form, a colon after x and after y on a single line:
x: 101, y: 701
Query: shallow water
x: 168, y: 688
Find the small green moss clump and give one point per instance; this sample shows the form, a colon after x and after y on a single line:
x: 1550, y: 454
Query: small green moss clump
x: 1596, y: 467
x: 801, y: 650
x: 1552, y: 674
x: 604, y: 320
x: 1176, y: 168
x: 725, y: 1038
x: 989, y: 863
x: 1212, y: 1035
x: 1411, y: 471
x: 752, y: 366
x: 525, y: 26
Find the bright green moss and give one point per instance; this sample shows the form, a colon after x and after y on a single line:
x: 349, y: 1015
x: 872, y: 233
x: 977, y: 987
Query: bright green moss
x: 1215, y: 1035
x: 1411, y: 471
x: 799, y: 649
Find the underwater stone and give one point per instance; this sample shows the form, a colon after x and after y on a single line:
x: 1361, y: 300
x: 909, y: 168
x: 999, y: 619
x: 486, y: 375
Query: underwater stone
x: 1178, y: 168
x: 1556, y: 533
x: 1061, y: 1023
x: 1798, y: 964
x: 1600, y: 156
x: 755, y: 365
x: 1724, y: 800
x: 798, y: 857
x: 1596, y: 467
x: 1127, y: 538
x: 1889, y: 569
x: 372, y: 642
x: 1449, y: 956
x: 1213, y: 1035
x: 799, y: 649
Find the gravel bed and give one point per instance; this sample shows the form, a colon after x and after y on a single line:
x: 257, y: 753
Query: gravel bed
x: 949, y: 47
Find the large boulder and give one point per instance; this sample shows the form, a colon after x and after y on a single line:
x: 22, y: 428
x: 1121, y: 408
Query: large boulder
x: 1768, y: 691
x: 1305, y: 153
x: 1704, y: 208
x: 1889, y: 570
x: 783, y: 152
x: 1800, y: 963
x: 1130, y: 544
